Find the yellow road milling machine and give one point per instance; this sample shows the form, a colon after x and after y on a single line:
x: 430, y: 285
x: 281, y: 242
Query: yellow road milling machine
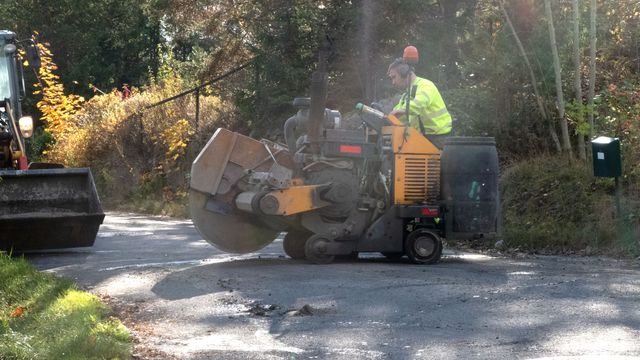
x: 338, y: 191
x: 42, y: 206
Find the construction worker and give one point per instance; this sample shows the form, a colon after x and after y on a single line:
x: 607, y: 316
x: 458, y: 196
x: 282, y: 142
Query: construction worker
x: 428, y: 113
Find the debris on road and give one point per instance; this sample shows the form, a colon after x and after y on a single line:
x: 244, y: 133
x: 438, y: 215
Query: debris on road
x: 305, y: 310
x: 258, y: 309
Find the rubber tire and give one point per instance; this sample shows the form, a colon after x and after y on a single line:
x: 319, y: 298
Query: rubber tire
x: 313, y: 250
x: 423, y: 247
x: 395, y: 256
x: 293, y: 244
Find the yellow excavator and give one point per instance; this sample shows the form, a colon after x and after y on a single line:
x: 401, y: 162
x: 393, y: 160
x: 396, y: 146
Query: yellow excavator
x: 337, y: 191
x: 42, y: 206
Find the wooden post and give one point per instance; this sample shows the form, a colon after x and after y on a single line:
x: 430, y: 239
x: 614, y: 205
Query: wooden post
x: 618, y: 196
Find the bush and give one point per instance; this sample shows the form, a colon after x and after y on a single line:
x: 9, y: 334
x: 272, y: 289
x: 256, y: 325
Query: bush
x: 618, y: 115
x: 553, y: 204
x: 136, y: 152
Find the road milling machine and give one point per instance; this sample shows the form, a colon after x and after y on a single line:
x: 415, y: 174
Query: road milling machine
x: 42, y: 205
x: 339, y: 191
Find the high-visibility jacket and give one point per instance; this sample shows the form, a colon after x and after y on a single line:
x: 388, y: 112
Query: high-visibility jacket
x: 426, y: 105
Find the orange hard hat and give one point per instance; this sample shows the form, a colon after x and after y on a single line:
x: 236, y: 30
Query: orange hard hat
x: 410, y: 55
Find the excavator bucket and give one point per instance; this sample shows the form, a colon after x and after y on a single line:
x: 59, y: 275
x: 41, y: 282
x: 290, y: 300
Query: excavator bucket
x: 48, y: 209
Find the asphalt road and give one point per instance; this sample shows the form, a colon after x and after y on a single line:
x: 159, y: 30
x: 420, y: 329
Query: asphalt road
x: 184, y: 299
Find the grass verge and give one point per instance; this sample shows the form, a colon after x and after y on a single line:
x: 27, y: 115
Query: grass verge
x: 553, y: 205
x: 46, y: 317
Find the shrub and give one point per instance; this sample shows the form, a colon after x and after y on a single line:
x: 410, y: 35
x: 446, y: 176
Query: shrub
x: 137, y: 151
x: 556, y: 204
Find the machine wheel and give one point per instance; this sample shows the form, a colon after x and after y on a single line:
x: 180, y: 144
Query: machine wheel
x: 293, y: 244
x: 393, y: 255
x: 315, y: 249
x: 423, y: 247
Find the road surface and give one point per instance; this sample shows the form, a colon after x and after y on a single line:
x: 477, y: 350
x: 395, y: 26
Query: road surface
x: 184, y: 299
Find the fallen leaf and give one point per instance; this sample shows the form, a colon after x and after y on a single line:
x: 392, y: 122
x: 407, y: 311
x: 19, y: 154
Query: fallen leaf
x: 17, y: 312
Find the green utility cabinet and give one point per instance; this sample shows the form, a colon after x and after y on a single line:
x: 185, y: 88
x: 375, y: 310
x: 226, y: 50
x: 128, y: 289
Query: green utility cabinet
x: 606, y: 157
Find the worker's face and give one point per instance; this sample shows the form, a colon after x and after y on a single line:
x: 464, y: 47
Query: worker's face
x: 396, y: 79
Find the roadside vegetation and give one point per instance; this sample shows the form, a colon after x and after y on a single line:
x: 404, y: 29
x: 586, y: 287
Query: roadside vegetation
x: 140, y: 156
x: 529, y: 73
x: 46, y: 317
x: 555, y: 206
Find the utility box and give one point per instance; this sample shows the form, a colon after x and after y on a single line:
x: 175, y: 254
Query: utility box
x: 606, y: 157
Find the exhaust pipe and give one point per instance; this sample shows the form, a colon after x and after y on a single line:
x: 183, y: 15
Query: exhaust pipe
x: 318, y: 99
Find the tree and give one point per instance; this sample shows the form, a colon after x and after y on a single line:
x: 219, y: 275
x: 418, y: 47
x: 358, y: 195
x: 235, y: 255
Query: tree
x: 534, y: 80
x: 56, y: 106
x: 564, y: 127
x: 102, y: 42
x: 592, y: 63
x: 577, y: 82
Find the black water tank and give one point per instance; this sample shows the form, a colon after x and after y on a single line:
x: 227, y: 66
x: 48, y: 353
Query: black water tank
x: 469, y: 180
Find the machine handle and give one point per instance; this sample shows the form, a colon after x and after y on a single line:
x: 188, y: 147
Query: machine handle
x: 369, y: 110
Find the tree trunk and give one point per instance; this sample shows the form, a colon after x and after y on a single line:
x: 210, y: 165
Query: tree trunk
x: 532, y: 76
x: 564, y: 127
x: 577, y: 82
x: 592, y: 65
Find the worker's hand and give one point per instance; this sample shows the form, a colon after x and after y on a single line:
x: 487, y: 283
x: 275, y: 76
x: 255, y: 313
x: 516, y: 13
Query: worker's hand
x: 397, y: 113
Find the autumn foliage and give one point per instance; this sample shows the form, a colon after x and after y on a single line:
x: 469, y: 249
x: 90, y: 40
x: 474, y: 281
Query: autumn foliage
x: 137, y: 152
x: 133, y: 148
x: 55, y: 106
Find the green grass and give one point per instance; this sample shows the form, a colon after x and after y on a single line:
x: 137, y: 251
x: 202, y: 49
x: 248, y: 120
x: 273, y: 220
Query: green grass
x: 57, y: 320
x: 551, y: 204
